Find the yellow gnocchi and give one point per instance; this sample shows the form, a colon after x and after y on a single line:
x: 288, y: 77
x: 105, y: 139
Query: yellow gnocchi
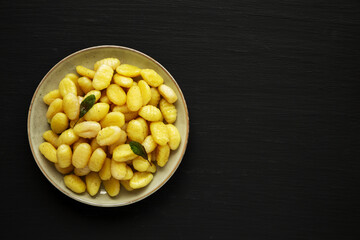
x: 122, y: 81
x: 168, y: 93
x: 108, y: 135
x: 155, y: 97
x: 59, y: 122
x: 97, y: 112
x: 51, y: 137
x: 140, y: 179
x: 49, y: 151
x: 150, y: 113
x: 85, y: 84
x: 134, y: 99
x: 136, y: 130
x: 97, y: 160
x: 112, y: 62
x: 168, y: 110
x: 81, y: 155
x: 55, y: 107
x: 151, y: 77
x: 71, y: 106
x: 174, y: 136
x: 64, y: 155
x: 162, y: 154
x: 128, y: 70
x: 93, y: 183
x: 159, y: 132
x: 74, y: 183
x: 131, y: 104
x: 145, y: 91
x: 85, y: 72
x: 105, y: 172
x: 87, y: 129
x: 116, y: 94
x: 51, y: 96
x: 112, y: 186
x: 67, y: 86
x: 123, y: 153
x: 67, y: 137
x: 96, y: 93
x: 102, y: 77
x: 113, y: 119
x: 64, y: 171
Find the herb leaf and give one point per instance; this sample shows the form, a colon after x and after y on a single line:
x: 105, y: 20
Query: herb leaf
x: 139, y: 149
x: 86, y: 104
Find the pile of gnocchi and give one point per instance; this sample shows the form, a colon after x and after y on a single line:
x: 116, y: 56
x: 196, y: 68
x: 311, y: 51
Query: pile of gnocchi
x: 131, y: 104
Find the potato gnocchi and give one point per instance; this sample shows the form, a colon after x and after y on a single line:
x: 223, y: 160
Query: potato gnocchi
x: 94, y: 150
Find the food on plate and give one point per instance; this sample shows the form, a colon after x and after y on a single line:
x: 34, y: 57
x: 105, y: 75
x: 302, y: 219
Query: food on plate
x: 111, y: 124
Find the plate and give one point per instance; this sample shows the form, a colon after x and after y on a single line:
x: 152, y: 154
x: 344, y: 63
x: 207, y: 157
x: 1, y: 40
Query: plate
x: 37, y: 123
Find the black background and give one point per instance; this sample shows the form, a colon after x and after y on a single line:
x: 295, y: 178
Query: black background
x: 272, y: 89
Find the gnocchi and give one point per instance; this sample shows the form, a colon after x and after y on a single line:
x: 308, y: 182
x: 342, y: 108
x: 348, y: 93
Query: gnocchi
x: 92, y: 149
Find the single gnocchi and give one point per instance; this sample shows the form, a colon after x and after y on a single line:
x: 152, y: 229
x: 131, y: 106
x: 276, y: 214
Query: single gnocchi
x: 116, y: 94
x: 112, y: 62
x: 123, y: 153
x: 51, y: 96
x: 168, y: 93
x: 134, y: 99
x: 87, y: 129
x: 81, y: 155
x: 93, y: 183
x: 74, y: 183
x: 67, y: 137
x: 145, y: 92
x: 71, y: 106
x: 67, y: 86
x: 102, y: 77
x: 162, y: 154
x: 85, y: 72
x: 49, y: 151
x: 85, y: 84
x: 137, y: 130
x: 159, y: 132
x: 168, y: 110
x: 73, y: 77
x: 122, y: 81
x: 118, y: 169
x: 112, y: 186
x: 150, y: 113
x: 155, y: 97
x: 105, y: 172
x: 140, y: 180
x: 59, y: 122
x: 128, y: 70
x: 51, y: 137
x: 64, y: 155
x: 108, y: 135
x: 97, y: 112
x: 97, y: 160
x: 151, y: 77
x: 113, y: 119
x: 174, y: 136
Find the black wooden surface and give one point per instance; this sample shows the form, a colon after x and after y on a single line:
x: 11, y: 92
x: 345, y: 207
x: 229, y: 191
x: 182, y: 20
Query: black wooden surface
x: 272, y: 89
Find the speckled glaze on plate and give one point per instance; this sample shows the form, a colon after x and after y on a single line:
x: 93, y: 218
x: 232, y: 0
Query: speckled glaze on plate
x: 37, y: 123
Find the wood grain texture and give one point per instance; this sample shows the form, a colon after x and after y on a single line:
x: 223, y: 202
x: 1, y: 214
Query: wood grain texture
x: 272, y: 89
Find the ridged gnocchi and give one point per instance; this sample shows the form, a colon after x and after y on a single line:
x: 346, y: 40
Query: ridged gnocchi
x: 93, y: 148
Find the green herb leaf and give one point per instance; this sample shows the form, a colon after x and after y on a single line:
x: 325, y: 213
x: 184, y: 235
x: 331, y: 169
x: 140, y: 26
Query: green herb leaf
x: 86, y: 104
x: 139, y: 149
